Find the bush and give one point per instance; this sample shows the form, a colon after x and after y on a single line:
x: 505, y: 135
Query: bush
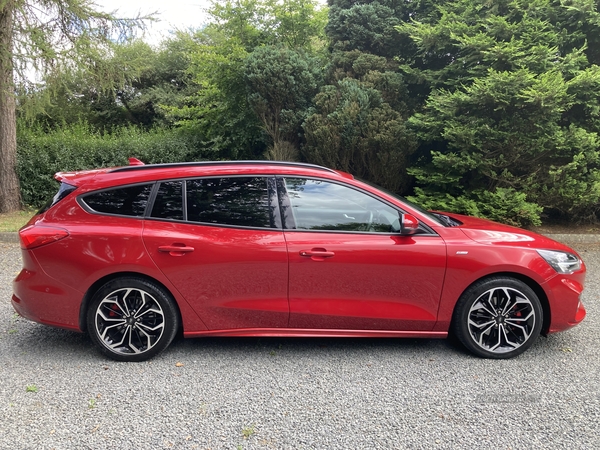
x: 41, y: 154
x: 503, y: 205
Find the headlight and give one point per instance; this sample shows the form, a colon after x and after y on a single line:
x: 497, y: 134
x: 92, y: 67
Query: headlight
x: 562, y: 262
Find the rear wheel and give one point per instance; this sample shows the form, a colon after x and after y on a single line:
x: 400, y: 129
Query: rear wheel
x: 132, y: 319
x: 498, y: 318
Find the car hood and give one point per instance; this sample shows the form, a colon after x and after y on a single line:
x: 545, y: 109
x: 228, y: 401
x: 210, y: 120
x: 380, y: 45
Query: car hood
x: 493, y: 233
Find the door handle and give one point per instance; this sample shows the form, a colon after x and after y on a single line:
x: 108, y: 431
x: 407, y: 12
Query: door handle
x: 175, y: 249
x: 317, y: 254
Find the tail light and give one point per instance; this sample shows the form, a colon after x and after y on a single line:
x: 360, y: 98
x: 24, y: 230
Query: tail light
x: 33, y: 236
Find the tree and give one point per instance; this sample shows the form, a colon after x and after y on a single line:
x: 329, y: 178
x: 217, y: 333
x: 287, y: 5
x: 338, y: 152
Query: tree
x: 226, y: 71
x: 353, y: 130
x: 510, y: 124
x: 145, y: 81
x: 358, y: 123
x: 282, y: 83
x: 39, y: 35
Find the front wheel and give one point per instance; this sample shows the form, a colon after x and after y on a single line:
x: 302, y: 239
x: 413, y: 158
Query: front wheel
x: 498, y: 318
x: 132, y: 319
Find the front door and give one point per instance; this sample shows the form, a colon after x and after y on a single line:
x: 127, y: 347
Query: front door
x: 350, y: 269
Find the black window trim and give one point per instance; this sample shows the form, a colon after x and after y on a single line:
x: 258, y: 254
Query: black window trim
x: 286, y: 204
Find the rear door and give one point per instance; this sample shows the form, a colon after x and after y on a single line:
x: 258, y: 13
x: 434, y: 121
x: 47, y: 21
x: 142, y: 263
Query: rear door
x: 220, y: 242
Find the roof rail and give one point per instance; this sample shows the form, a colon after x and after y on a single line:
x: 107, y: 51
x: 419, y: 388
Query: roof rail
x: 218, y: 163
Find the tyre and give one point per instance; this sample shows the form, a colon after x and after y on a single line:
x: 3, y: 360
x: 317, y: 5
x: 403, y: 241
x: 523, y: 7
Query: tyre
x: 498, y: 318
x: 132, y: 319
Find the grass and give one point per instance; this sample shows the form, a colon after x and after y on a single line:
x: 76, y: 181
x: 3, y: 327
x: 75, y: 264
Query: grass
x: 15, y: 220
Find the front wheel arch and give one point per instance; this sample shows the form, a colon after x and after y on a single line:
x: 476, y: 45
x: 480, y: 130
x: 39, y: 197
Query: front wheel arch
x: 533, y: 285
x: 474, y: 312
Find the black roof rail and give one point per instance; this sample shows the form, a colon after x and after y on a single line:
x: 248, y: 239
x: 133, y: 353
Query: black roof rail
x: 219, y: 163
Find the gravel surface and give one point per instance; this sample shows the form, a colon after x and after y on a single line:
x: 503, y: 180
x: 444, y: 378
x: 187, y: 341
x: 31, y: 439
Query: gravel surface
x: 57, y: 392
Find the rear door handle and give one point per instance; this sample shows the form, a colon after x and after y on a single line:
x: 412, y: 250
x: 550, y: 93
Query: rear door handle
x: 317, y: 254
x: 175, y: 249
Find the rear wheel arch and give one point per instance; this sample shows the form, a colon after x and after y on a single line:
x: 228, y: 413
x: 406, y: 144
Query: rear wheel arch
x: 87, y: 298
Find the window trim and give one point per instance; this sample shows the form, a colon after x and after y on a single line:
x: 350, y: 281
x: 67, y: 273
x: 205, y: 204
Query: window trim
x: 64, y: 190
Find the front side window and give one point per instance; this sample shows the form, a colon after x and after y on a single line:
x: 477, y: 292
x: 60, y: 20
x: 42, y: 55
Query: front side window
x: 237, y: 201
x: 323, y: 206
x: 122, y: 201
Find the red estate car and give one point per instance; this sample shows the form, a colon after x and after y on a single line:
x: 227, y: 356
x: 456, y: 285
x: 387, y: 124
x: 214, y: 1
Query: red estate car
x: 133, y: 255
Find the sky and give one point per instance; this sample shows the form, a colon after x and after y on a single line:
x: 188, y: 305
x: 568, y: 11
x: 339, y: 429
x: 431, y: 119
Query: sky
x: 173, y: 14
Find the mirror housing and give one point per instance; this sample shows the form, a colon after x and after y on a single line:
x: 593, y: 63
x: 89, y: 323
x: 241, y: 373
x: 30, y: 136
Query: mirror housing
x: 409, y: 224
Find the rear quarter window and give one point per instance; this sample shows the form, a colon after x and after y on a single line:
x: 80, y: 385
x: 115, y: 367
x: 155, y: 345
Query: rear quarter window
x: 121, y: 201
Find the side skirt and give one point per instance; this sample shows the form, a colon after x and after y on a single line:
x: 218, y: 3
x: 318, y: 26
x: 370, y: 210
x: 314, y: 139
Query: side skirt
x: 303, y: 332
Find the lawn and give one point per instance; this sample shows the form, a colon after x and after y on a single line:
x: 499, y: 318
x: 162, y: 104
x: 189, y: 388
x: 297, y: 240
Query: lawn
x: 15, y: 220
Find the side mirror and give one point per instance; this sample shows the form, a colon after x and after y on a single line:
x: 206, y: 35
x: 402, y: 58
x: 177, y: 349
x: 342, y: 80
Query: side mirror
x: 409, y: 224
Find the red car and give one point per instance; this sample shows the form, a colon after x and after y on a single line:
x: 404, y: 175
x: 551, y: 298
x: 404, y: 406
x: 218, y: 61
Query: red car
x: 133, y: 255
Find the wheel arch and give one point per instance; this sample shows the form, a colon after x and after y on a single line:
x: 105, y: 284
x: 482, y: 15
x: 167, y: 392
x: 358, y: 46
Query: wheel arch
x: 113, y: 276
x: 537, y: 289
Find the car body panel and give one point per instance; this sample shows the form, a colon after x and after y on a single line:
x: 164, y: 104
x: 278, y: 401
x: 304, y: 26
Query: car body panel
x: 372, y: 281
x: 234, y: 278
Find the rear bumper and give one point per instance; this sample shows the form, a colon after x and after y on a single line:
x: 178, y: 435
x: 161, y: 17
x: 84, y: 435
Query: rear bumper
x: 40, y: 298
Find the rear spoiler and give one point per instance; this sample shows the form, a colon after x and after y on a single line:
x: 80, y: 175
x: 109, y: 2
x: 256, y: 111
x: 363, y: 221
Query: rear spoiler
x: 135, y: 162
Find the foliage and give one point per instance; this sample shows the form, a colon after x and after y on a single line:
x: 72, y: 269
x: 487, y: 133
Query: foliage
x: 154, y: 78
x: 512, y: 112
x: 281, y: 83
x: 358, y: 123
x: 353, y: 130
x: 76, y: 147
x: 220, y: 110
x: 478, y: 107
x: 41, y: 35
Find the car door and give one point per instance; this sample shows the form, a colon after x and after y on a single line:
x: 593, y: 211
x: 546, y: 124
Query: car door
x: 349, y: 267
x: 224, y: 251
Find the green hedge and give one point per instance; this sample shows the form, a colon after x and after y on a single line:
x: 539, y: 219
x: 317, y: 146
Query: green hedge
x: 77, y: 147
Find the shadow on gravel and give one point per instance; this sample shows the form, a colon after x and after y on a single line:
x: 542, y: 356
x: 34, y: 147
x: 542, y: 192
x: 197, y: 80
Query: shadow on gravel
x: 42, y: 341
x: 38, y: 339
x: 304, y: 346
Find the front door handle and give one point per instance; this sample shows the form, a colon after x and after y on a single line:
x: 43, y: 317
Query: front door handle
x: 317, y: 254
x: 175, y: 249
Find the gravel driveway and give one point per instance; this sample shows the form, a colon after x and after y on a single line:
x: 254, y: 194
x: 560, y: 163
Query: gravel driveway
x: 57, y: 392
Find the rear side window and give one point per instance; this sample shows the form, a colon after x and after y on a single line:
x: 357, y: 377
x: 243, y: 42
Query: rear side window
x: 122, y: 201
x: 169, y: 201
x: 238, y: 201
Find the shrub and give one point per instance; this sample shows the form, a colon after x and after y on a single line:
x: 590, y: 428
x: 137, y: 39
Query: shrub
x: 41, y: 154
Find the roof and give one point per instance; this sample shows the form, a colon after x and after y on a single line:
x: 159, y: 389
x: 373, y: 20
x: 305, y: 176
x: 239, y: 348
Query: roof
x: 140, y: 173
